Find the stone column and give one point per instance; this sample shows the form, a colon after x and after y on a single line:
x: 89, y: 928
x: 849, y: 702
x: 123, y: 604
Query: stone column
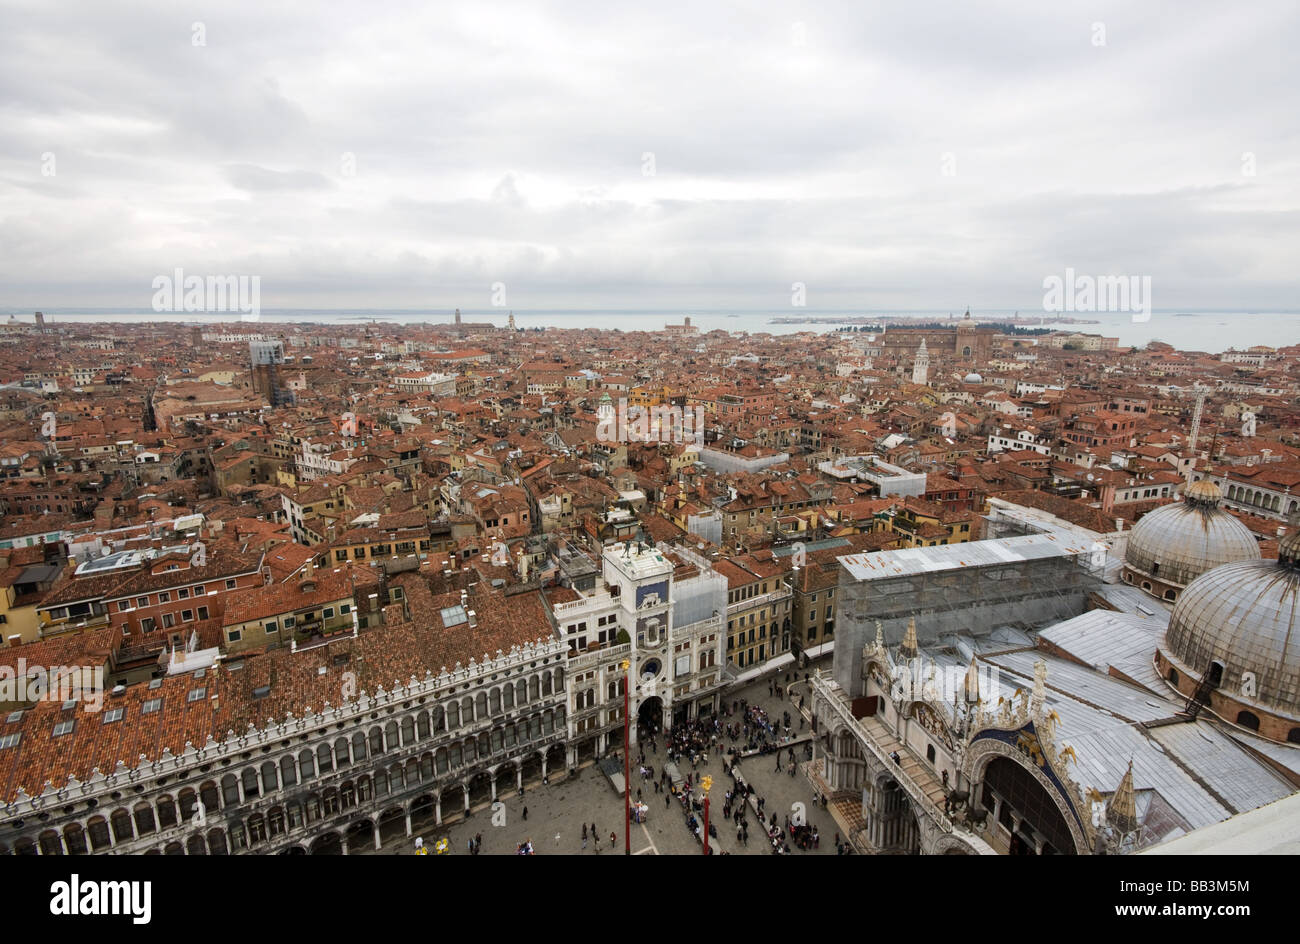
x: 492, y: 777
x: 519, y: 775
x: 377, y: 843
x: 543, y: 755
x: 408, y: 824
x: 437, y: 809
x: 465, y: 789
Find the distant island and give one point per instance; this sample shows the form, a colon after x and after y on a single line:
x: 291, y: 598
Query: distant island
x: 1026, y: 320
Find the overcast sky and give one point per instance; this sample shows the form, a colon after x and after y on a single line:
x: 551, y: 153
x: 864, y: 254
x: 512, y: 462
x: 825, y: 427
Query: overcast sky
x: 642, y: 155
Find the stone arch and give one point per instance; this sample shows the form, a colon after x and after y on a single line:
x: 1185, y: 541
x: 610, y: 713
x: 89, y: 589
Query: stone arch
x: 276, y: 822
x: 360, y: 833
x: 329, y: 843
x: 188, y: 801
x: 145, y: 821
x: 986, y: 750
x: 392, y: 824
x: 270, y: 777
x: 423, y: 808
x: 74, y: 839
x: 288, y: 772
x: 217, y: 842
x: 949, y: 844
x: 98, y: 834
x: 122, y: 827
x: 256, y: 825
x: 166, y: 806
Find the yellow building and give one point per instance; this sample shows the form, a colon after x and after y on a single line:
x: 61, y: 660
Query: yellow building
x: 317, y: 605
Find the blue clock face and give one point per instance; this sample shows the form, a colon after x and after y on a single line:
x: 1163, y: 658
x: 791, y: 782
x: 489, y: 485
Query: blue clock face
x: 650, y: 667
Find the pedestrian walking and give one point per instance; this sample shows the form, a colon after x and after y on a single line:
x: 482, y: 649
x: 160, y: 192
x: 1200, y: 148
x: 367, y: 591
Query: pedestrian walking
x: 613, y: 839
x: 525, y: 812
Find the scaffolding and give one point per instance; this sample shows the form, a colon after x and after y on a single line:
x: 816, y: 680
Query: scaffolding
x: 971, y: 598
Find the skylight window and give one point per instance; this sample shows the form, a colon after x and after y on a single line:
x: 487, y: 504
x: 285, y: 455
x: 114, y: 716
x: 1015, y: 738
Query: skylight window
x: 453, y: 616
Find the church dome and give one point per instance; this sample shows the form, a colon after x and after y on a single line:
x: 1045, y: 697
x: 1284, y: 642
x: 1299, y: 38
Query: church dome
x: 1246, y: 616
x: 973, y: 378
x: 1177, y: 543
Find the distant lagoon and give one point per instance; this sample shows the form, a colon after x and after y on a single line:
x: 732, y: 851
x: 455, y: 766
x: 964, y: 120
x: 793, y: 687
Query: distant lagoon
x: 1189, y: 330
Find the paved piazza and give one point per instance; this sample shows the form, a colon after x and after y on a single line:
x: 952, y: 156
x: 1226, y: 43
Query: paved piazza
x: 557, y: 811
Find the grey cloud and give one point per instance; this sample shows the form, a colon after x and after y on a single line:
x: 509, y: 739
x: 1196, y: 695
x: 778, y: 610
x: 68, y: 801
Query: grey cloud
x: 505, y: 142
x: 254, y: 178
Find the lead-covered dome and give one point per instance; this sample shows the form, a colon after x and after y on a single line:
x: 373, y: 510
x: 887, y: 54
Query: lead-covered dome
x: 1245, y: 616
x: 1179, y: 542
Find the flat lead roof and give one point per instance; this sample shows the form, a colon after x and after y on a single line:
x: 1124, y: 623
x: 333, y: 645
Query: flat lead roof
x: 881, y: 565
